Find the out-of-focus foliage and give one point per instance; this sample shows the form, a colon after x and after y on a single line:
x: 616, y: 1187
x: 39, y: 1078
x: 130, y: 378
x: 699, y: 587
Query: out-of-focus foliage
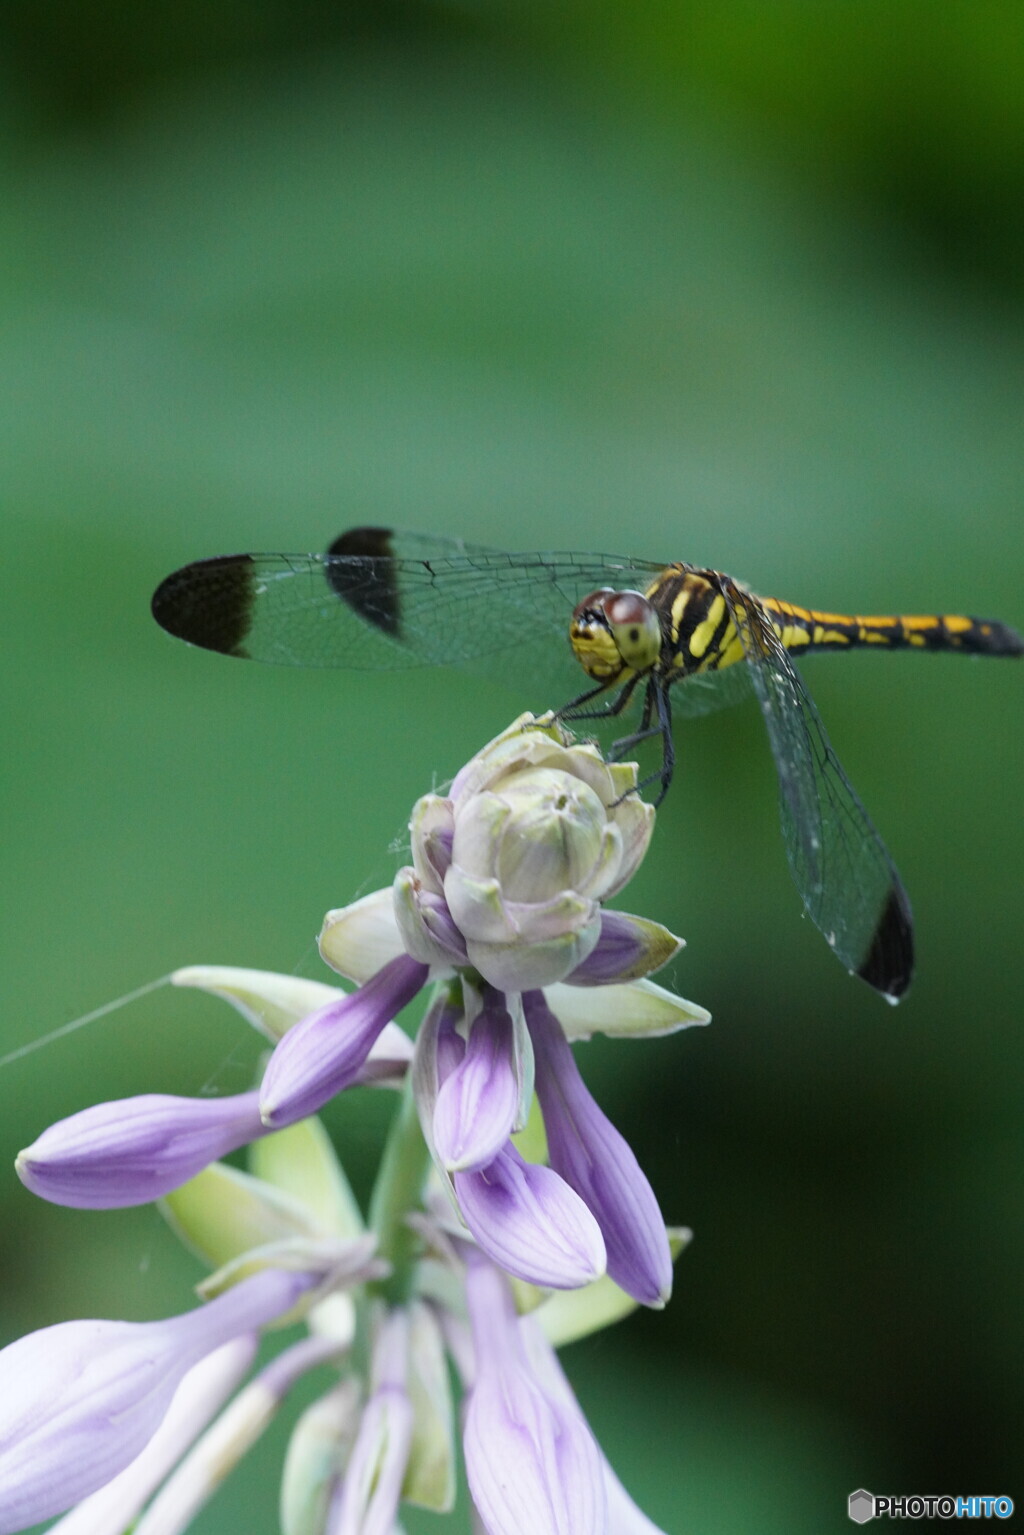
x: 736, y: 285
x: 916, y: 108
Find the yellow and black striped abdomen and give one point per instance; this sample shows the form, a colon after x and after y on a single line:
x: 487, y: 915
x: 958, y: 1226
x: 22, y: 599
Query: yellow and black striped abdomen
x: 811, y: 629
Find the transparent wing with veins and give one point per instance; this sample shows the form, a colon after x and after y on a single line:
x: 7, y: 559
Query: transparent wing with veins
x: 842, y: 869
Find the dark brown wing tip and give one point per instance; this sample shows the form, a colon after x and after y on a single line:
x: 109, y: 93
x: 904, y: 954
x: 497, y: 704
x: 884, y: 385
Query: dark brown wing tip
x: 208, y: 603
x: 888, y: 965
x: 370, y: 590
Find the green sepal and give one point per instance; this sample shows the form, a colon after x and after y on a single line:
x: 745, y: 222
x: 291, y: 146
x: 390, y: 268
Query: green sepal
x: 430, y: 1470
x: 317, y: 1454
x: 301, y: 1163
x: 623, y: 1010
x: 330, y: 1309
x: 272, y: 1003
x: 223, y: 1212
x: 532, y: 1141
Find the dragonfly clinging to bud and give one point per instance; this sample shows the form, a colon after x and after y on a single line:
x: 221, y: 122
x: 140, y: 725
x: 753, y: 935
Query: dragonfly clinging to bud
x: 679, y: 639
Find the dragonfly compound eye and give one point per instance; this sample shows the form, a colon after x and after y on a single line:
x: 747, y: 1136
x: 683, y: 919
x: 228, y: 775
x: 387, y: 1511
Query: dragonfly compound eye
x: 635, y: 628
x: 615, y: 632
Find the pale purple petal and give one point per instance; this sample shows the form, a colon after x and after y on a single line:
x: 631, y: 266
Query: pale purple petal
x: 202, y: 1472
x: 530, y: 1221
x: 431, y: 830
x: 373, y: 1478
x: 376, y: 1468
x: 450, y: 1047
x: 425, y: 924
x: 325, y: 1052
x: 80, y: 1400
x: 478, y: 1100
x: 440, y: 924
x: 436, y: 1053
x: 624, y: 1517
x: 135, y: 1149
x: 629, y: 947
x: 531, y: 1460
x: 590, y: 1154
x: 201, y: 1393
x: 389, y: 1059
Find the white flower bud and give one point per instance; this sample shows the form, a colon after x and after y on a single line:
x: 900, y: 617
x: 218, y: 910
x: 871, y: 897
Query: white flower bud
x: 540, y: 834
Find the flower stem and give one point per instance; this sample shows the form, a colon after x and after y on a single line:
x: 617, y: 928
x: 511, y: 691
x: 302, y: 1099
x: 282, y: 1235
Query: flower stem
x: 398, y: 1191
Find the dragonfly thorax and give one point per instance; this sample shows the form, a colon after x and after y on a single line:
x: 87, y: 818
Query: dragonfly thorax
x: 615, y: 634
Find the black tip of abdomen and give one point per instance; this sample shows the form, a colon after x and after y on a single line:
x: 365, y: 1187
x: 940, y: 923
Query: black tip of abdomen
x: 992, y: 638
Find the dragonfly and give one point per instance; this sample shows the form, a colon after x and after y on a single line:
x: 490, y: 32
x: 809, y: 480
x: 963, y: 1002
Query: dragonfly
x: 675, y: 640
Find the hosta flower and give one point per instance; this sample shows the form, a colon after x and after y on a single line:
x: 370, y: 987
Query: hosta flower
x: 89, y: 1410
x: 508, y: 876
x: 503, y: 908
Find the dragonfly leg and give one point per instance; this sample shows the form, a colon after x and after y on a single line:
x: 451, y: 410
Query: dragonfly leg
x: 618, y: 749
x: 646, y: 730
x: 668, y: 745
x: 657, y: 696
x: 572, y: 711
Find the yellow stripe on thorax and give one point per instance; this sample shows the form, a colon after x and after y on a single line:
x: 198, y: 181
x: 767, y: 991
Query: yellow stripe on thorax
x: 705, y: 631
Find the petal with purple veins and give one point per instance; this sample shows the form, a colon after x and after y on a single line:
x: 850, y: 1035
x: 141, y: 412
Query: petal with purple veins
x: 528, y: 1220
x: 478, y: 1101
x: 135, y: 1149
x: 531, y: 1459
x: 325, y: 1052
x: 591, y: 1155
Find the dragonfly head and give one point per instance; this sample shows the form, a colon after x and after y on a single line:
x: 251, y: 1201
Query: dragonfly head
x: 614, y: 634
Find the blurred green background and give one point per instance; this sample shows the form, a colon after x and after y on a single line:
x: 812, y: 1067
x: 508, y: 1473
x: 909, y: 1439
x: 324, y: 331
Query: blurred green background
x: 740, y: 285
